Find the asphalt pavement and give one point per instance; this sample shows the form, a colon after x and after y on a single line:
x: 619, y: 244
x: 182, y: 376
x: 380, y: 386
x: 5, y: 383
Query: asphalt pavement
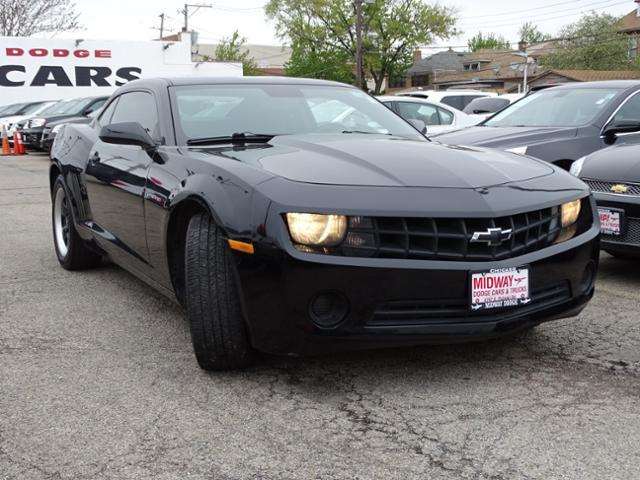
x: 98, y: 381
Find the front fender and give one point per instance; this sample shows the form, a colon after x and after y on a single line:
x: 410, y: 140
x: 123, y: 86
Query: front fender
x: 237, y: 208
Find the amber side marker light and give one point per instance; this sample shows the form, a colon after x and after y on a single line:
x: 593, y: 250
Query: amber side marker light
x: 241, y: 246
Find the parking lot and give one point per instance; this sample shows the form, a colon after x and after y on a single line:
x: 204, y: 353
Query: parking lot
x: 98, y: 381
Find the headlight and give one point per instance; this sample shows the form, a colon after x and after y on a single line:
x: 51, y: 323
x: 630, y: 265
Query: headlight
x: 569, y: 213
x: 317, y: 230
x: 57, y: 128
x: 38, y: 122
x: 576, y: 167
x: 519, y: 150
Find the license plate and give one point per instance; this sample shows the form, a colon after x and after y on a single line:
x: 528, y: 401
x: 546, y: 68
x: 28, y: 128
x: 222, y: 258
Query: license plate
x: 611, y: 221
x: 500, y: 288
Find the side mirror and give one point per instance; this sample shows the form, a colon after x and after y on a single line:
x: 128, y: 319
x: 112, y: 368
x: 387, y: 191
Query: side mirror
x: 127, y: 133
x: 418, y: 125
x: 611, y: 131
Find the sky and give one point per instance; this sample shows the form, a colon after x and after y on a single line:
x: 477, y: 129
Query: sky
x: 136, y: 19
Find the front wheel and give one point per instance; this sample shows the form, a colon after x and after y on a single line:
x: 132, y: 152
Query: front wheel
x: 71, y: 251
x: 214, y: 311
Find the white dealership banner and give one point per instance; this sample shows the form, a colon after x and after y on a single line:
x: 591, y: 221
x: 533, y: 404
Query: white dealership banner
x: 34, y: 69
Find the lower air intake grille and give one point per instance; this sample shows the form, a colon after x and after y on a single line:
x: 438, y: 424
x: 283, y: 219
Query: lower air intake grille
x: 420, y: 312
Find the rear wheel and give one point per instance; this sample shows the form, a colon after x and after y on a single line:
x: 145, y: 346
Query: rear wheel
x: 218, y: 329
x: 71, y: 251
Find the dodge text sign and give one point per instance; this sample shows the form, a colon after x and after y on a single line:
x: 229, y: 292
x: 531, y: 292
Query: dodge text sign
x: 39, y: 69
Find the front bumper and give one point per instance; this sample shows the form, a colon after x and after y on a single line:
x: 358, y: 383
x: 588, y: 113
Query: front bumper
x: 32, y: 137
x: 428, y: 299
x: 629, y: 240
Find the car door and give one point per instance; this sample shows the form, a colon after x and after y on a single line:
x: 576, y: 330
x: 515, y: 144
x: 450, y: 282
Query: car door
x: 115, y: 179
x: 425, y: 112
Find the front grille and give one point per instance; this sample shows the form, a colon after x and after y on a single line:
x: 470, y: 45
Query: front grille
x: 448, y: 238
x: 420, y: 312
x: 630, y: 233
x: 605, y: 187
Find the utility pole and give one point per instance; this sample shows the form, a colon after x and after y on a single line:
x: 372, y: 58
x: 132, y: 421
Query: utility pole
x: 359, y: 60
x: 161, y: 25
x: 185, y: 12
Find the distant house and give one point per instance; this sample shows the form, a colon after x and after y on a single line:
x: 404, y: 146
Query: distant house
x: 425, y: 71
x: 630, y: 24
x: 500, y: 70
x: 552, y: 77
x: 270, y: 59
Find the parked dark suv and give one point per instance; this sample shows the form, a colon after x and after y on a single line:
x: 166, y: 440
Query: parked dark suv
x: 36, y: 130
x: 560, y: 124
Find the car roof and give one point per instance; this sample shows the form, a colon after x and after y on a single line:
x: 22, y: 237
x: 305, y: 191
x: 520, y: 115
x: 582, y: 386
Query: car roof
x: 601, y: 84
x: 404, y: 98
x: 260, y: 80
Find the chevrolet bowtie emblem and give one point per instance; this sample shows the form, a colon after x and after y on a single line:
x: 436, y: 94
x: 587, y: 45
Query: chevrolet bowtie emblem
x: 492, y: 236
x: 619, y: 188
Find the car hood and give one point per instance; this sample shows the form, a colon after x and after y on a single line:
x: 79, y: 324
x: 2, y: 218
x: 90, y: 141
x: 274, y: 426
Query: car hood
x: 505, y: 137
x: 614, y: 164
x: 379, y: 160
x: 12, y: 119
x: 74, y: 119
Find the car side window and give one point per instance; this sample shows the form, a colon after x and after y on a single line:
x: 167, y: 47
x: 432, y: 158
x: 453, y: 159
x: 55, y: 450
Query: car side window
x: 137, y: 107
x: 107, y: 113
x: 419, y: 111
x: 629, y: 112
x: 454, y: 101
x: 446, y: 117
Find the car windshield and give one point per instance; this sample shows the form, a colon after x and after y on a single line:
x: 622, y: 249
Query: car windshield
x: 31, y: 108
x: 209, y: 111
x: 555, y: 108
x: 65, y: 107
x: 13, y: 109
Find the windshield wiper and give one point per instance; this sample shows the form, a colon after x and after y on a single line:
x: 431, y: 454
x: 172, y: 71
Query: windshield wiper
x: 238, y: 138
x: 366, y: 133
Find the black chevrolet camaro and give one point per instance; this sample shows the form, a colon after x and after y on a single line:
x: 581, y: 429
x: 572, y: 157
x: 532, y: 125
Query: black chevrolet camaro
x: 614, y: 177
x: 296, y: 216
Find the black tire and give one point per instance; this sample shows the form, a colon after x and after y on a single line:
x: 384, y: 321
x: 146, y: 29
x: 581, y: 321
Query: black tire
x: 72, y: 252
x: 214, y: 311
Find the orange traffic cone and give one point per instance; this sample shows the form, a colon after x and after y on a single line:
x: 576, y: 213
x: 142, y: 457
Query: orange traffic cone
x: 6, y: 150
x: 18, y: 146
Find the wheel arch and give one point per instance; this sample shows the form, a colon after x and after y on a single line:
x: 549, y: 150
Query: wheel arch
x: 54, y: 172
x: 176, y: 233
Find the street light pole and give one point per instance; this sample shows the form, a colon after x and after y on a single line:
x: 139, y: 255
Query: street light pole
x: 359, y: 61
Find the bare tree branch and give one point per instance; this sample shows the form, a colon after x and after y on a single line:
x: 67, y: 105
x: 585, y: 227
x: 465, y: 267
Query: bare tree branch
x: 23, y: 18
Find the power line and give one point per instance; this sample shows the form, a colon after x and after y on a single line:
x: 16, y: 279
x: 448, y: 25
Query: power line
x: 513, y: 12
x: 538, y: 19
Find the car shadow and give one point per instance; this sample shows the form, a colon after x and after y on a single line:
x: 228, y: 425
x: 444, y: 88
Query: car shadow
x: 622, y: 270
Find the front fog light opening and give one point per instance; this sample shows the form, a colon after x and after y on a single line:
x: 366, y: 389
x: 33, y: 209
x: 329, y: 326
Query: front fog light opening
x: 328, y: 309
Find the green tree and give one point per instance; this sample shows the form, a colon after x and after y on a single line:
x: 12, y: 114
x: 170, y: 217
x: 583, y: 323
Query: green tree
x: 392, y: 30
x: 530, y: 33
x: 313, y: 61
x: 590, y: 43
x: 489, y: 42
x: 230, y: 50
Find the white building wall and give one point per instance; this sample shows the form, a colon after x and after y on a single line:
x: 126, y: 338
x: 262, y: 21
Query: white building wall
x: 34, y: 69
